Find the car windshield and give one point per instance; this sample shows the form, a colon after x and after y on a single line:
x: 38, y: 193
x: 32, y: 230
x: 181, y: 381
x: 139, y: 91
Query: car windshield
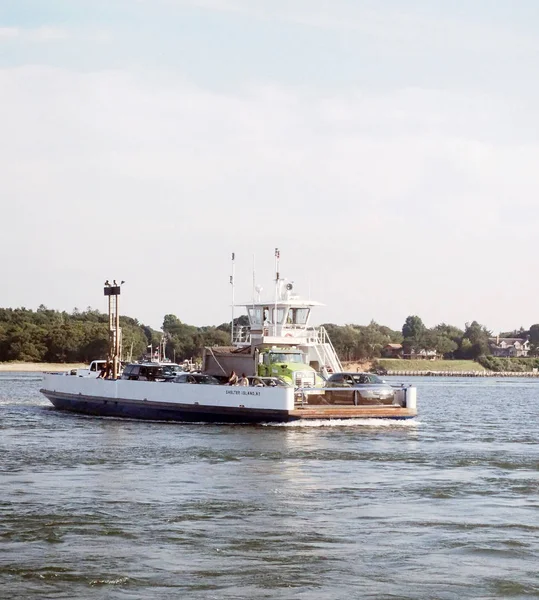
x: 366, y: 378
x: 196, y: 378
x: 276, y: 381
x: 285, y: 357
x: 206, y: 379
x: 267, y: 381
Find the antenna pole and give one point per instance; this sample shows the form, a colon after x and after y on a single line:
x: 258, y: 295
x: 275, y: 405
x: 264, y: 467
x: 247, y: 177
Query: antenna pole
x: 232, y: 284
x: 254, y: 285
x: 254, y: 279
x: 277, y: 257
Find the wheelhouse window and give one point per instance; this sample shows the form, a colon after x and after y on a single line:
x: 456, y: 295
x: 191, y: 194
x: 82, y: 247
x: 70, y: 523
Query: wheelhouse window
x: 280, y: 315
x: 255, y: 316
x: 298, y: 316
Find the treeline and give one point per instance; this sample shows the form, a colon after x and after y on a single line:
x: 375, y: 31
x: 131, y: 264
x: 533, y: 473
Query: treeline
x: 361, y: 342
x: 515, y: 365
x: 47, y: 335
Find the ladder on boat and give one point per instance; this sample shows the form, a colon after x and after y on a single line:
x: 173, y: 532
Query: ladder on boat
x: 327, y: 357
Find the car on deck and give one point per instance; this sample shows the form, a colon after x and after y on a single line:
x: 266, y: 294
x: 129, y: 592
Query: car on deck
x: 144, y: 372
x: 358, y: 388
x: 258, y: 381
x: 199, y: 378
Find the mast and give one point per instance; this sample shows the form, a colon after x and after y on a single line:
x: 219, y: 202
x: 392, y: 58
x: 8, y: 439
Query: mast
x: 254, y: 280
x: 232, y: 284
x: 254, y: 284
x: 277, y: 257
x: 163, y: 347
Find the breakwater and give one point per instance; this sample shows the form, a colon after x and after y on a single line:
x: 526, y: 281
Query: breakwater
x: 463, y: 373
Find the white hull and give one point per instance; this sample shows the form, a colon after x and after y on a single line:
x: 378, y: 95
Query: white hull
x: 184, y: 402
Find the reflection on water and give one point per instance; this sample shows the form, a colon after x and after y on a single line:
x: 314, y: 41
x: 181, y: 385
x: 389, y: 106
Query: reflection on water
x: 441, y: 507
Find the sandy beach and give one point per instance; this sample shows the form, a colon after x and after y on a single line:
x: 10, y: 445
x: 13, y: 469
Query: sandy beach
x: 39, y: 367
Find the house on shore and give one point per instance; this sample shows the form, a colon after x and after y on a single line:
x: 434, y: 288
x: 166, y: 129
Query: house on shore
x: 509, y: 347
x: 392, y: 351
x: 398, y: 351
x: 422, y: 354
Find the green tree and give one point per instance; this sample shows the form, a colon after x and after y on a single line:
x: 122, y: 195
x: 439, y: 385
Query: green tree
x: 534, y: 339
x: 477, y: 336
x: 413, y: 332
x: 445, y: 346
x: 450, y: 331
x: 26, y: 343
x: 371, y: 340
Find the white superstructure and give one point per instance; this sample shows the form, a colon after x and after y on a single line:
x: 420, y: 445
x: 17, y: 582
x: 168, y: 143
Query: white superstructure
x: 286, y: 322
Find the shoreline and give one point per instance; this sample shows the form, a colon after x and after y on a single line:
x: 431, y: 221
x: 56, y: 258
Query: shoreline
x: 484, y: 373
x: 60, y: 367
x: 39, y: 367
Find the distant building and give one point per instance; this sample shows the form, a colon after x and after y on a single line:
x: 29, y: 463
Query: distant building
x: 397, y: 351
x: 509, y: 347
x: 392, y: 351
x: 425, y: 354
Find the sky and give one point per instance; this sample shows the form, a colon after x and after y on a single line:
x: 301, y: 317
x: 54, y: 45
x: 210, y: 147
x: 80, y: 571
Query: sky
x: 388, y: 148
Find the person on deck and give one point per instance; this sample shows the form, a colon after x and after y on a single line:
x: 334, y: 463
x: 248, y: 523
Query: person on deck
x: 103, y: 371
x: 243, y: 380
x: 233, y: 379
x: 108, y: 370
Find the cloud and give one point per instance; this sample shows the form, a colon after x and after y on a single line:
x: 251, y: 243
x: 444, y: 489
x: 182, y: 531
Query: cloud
x: 375, y: 199
x: 47, y: 34
x: 414, y: 27
x: 9, y: 33
x: 38, y: 34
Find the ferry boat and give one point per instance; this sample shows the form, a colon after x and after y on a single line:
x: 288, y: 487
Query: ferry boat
x: 169, y: 401
x: 279, y: 342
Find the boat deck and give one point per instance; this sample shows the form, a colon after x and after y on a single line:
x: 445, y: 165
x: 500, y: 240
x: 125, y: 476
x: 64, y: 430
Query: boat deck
x: 352, y: 412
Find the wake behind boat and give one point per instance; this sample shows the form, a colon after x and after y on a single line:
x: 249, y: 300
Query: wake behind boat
x: 279, y: 345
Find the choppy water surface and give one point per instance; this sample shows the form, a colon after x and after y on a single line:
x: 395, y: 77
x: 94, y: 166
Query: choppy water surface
x: 445, y: 507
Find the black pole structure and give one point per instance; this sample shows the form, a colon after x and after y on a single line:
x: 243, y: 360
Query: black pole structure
x: 112, y: 291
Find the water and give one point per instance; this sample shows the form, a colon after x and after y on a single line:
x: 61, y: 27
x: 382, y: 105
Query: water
x: 446, y: 507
